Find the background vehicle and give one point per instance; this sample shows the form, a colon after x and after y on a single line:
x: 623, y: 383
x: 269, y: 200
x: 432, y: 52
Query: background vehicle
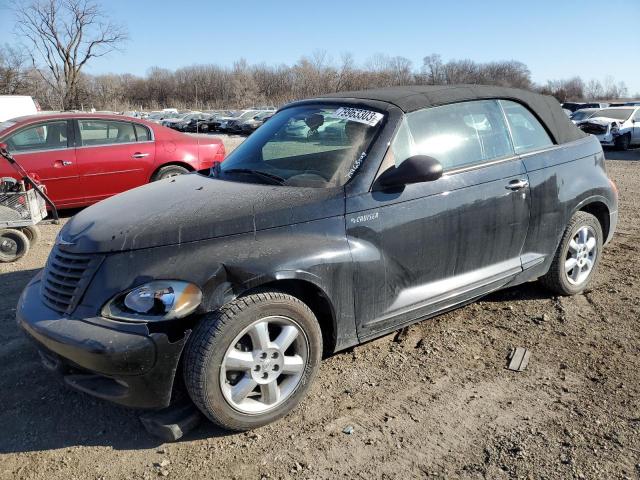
x: 342, y: 219
x: 175, y: 118
x: 582, y: 114
x: 232, y: 125
x: 12, y: 106
x: 252, y: 124
x: 188, y: 122
x: 614, y: 126
x: 84, y: 158
x: 157, y: 117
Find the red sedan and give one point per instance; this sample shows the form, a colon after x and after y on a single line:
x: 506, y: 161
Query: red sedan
x: 84, y: 158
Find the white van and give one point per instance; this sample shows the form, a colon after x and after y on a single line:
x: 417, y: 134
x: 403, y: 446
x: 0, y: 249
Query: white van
x: 12, y: 106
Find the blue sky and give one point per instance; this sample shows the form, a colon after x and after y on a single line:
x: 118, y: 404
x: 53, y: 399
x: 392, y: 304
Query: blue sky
x: 551, y: 37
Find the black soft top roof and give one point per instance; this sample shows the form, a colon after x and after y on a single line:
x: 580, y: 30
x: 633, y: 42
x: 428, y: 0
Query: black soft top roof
x: 416, y: 97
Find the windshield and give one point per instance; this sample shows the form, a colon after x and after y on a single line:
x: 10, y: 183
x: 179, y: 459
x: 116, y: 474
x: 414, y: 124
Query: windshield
x: 615, y: 113
x: 581, y: 114
x: 305, y: 146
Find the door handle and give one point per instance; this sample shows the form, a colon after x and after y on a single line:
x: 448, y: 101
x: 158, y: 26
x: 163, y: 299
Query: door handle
x: 139, y: 155
x: 62, y: 163
x: 517, y: 185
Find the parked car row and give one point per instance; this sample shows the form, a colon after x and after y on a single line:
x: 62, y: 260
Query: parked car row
x: 227, y: 121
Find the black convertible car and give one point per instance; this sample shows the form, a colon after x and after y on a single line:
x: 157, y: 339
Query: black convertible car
x: 341, y: 219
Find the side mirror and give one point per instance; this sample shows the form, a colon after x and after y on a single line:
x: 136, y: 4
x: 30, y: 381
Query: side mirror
x: 416, y: 169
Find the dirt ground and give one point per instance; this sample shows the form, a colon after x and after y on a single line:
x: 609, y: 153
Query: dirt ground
x: 431, y: 401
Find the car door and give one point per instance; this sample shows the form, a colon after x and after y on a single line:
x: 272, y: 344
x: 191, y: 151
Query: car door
x: 110, y: 159
x: 429, y: 246
x: 45, y: 149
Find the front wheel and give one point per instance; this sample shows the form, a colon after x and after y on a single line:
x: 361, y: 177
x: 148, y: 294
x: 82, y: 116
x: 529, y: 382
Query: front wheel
x: 578, y: 255
x: 251, y: 362
x: 623, y: 142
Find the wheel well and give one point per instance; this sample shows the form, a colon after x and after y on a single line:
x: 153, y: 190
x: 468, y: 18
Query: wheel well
x: 317, y: 301
x: 179, y: 164
x: 601, y: 212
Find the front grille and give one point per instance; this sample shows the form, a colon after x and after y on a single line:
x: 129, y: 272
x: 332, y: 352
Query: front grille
x: 593, y: 128
x: 66, y: 277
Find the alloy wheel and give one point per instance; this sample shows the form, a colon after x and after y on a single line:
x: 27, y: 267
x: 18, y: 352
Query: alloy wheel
x: 581, y: 255
x: 264, y: 364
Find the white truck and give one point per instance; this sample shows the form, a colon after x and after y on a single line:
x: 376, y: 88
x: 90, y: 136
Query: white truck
x: 12, y: 106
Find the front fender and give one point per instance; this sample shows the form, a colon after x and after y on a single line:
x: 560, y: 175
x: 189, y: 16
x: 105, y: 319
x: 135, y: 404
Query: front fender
x: 315, y: 252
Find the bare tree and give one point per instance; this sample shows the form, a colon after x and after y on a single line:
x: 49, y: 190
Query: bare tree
x: 593, y: 90
x: 13, y: 72
x: 433, y: 69
x: 65, y: 35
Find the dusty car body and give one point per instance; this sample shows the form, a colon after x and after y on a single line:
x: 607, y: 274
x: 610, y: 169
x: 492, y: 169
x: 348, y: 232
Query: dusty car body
x: 614, y: 126
x: 372, y: 210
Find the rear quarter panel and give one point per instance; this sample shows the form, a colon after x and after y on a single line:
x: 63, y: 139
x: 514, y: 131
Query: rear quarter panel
x: 562, y: 181
x: 196, y: 151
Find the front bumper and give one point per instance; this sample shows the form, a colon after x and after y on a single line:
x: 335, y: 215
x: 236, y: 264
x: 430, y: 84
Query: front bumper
x: 115, y: 361
x: 606, y: 139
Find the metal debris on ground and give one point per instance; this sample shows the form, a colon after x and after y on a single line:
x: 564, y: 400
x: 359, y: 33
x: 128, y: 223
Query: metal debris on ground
x: 518, y: 359
x: 348, y: 430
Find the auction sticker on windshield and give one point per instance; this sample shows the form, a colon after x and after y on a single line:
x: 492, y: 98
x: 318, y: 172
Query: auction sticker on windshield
x: 358, y: 115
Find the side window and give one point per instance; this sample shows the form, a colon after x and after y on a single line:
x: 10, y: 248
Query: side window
x: 528, y: 133
x: 43, y: 136
x: 637, y: 116
x: 457, y: 135
x: 142, y: 133
x: 105, y: 132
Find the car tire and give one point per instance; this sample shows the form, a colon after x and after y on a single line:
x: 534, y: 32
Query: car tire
x: 32, y: 232
x: 252, y: 361
x: 576, y: 261
x: 623, y: 142
x: 13, y: 245
x: 169, y: 171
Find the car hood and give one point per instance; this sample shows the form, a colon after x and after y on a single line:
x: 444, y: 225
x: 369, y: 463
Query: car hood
x: 604, y: 121
x: 190, y: 208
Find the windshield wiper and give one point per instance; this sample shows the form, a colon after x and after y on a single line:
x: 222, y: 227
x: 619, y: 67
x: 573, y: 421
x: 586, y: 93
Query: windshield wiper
x: 258, y: 173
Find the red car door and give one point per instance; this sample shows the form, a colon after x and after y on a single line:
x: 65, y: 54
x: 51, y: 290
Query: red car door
x: 44, y: 149
x: 110, y: 159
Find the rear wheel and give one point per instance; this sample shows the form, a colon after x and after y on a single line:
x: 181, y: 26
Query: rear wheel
x: 577, y: 258
x: 13, y: 245
x: 168, y: 172
x: 252, y: 361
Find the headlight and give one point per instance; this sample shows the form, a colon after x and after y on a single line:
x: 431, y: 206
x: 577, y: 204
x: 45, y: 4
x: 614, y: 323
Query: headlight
x: 615, y: 129
x: 154, y: 301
